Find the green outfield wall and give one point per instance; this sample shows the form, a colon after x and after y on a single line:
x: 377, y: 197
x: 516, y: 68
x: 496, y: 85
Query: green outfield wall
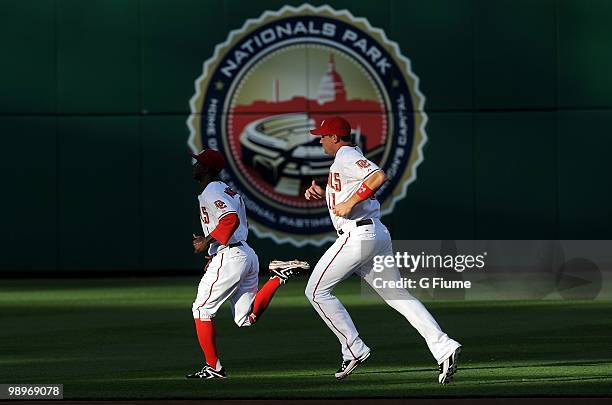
x: 94, y: 98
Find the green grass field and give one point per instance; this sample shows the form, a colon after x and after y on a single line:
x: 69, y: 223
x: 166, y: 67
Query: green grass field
x: 134, y: 338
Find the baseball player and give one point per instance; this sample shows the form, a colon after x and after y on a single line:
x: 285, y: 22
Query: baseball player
x: 355, y: 214
x: 233, y: 267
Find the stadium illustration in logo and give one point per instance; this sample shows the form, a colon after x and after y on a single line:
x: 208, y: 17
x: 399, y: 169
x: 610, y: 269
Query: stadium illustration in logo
x: 273, y: 80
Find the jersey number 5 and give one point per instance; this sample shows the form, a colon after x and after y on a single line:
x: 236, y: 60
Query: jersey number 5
x: 334, y: 181
x: 205, y: 218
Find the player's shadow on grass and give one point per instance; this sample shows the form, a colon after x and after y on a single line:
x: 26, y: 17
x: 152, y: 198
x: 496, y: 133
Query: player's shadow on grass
x: 462, y: 367
x: 521, y: 380
x: 529, y: 365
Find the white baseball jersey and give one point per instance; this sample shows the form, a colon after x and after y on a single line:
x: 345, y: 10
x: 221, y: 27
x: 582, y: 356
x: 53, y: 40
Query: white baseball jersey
x: 216, y: 201
x: 349, y: 170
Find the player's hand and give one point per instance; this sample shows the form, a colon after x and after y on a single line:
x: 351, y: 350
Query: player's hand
x: 314, y: 192
x: 199, y: 244
x: 343, y: 209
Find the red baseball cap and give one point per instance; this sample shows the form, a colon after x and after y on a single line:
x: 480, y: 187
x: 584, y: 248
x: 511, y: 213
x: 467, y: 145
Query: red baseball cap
x: 210, y: 158
x: 333, y: 126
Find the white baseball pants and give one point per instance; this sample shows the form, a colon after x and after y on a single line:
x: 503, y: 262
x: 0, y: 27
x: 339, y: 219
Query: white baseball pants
x: 353, y: 253
x: 231, y: 273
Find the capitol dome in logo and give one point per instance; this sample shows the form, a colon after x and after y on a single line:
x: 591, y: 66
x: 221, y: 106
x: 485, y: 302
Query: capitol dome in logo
x: 332, y: 85
x: 274, y: 80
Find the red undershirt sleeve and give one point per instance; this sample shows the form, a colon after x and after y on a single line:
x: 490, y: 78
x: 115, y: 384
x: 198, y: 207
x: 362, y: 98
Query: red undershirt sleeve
x: 226, y: 228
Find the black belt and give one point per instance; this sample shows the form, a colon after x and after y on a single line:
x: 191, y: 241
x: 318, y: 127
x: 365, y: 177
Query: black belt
x: 231, y: 245
x: 361, y: 222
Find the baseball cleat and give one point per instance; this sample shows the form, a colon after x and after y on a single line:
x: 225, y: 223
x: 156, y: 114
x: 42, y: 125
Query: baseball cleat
x: 347, y: 366
x: 288, y: 269
x: 449, y: 367
x: 208, y: 373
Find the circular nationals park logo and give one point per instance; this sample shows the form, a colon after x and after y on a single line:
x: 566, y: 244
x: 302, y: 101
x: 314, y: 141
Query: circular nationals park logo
x: 275, y: 79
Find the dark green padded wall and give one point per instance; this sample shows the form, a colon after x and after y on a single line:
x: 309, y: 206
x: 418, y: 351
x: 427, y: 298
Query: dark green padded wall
x: 94, y: 98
